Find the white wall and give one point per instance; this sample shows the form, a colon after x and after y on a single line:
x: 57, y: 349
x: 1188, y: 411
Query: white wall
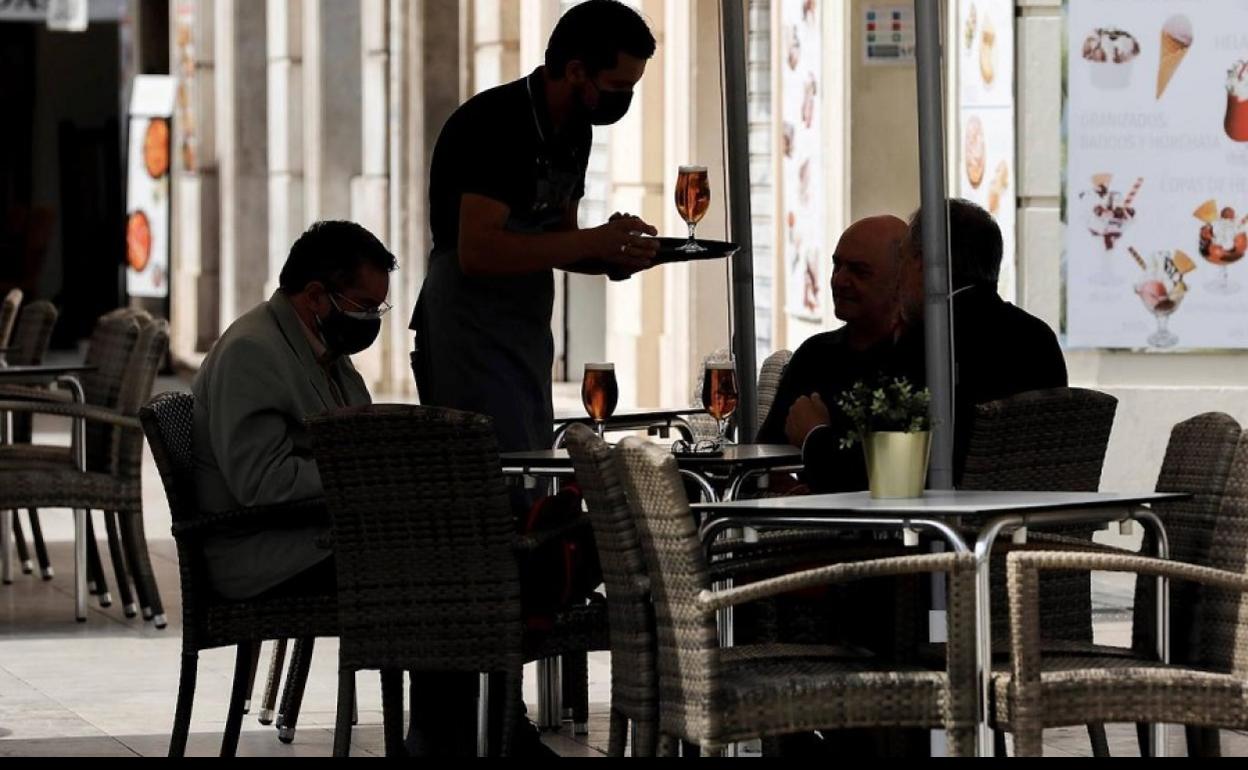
x: 1155, y: 390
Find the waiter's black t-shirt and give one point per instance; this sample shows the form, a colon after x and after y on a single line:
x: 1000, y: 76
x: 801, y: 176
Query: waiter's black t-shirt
x: 501, y: 145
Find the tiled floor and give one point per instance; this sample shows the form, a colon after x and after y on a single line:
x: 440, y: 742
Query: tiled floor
x: 107, y: 687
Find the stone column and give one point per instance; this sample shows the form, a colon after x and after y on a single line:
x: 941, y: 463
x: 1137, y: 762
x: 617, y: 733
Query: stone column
x: 194, y: 281
x: 285, y: 132
x: 495, y: 43
x: 242, y: 141
x: 331, y: 104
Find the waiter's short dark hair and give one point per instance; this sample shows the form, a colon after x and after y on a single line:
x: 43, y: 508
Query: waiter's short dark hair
x: 333, y: 253
x: 975, y: 244
x: 595, y: 32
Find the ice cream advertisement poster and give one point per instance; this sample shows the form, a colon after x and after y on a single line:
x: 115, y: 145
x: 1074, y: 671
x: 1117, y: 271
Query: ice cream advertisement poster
x: 985, y: 168
x: 805, y: 247
x: 1157, y: 174
x: 147, y: 187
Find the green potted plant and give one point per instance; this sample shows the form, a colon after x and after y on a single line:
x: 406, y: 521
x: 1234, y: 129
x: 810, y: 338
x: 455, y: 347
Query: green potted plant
x: 891, y: 420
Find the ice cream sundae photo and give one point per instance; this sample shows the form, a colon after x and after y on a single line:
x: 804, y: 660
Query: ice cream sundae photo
x: 1111, y: 54
x: 1223, y: 242
x: 1109, y: 211
x: 1162, y: 288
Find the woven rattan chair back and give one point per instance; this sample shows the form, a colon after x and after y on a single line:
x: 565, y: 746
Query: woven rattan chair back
x: 1043, y: 441
x: 111, y: 350
x: 1198, y: 461
x: 149, y: 354
x: 688, y: 646
x: 1220, y: 633
x: 423, y: 536
x: 634, y: 676
x: 33, y: 334
x: 8, y: 315
x: 769, y: 378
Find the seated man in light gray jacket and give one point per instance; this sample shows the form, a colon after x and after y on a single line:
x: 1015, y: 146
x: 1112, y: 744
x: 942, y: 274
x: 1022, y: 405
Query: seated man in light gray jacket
x: 282, y: 362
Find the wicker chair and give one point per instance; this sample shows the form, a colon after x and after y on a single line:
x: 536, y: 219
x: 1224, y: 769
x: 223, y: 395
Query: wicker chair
x: 425, y: 544
x: 209, y: 621
x: 1206, y: 457
x: 127, y: 348
x: 769, y: 378
x: 28, y: 346
x: 711, y: 696
x: 8, y: 315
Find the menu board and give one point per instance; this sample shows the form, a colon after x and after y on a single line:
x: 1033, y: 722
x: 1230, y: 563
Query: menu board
x: 147, y: 187
x: 806, y: 251
x: 985, y: 172
x: 1157, y: 174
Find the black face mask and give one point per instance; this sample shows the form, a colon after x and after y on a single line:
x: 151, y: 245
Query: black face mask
x: 612, y: 106
x: 346, y: 336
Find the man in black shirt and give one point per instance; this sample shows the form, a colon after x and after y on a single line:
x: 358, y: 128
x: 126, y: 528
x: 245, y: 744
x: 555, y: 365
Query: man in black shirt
x: 1000, y: 350
x: 507, y: 177
x: 865, y: 276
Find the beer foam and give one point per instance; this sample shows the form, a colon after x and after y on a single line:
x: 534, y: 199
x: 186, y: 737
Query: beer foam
x: 600, y: 367
x: 692, y: 169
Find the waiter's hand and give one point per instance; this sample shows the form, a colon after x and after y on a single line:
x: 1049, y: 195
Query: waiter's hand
x: 619, y: 244
x: 807, y: 414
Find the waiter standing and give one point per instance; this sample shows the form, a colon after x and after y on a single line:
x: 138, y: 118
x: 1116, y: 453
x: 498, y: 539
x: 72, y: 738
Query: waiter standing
x: 506, y: 181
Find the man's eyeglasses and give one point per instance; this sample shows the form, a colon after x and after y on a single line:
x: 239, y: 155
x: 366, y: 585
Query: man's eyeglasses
x: 357, y: 311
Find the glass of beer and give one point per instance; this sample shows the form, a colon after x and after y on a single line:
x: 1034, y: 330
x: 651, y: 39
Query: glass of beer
x: 693, y: 199
x: 600, y: 393
x: 719, y: 393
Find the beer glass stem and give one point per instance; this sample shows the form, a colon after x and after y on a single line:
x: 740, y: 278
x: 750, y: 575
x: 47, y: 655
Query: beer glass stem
x: 601, y: 427
x: 693, y: 227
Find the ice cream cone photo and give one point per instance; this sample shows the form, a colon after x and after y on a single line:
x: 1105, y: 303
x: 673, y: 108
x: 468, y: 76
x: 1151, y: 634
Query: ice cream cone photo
x: 1176, y: 41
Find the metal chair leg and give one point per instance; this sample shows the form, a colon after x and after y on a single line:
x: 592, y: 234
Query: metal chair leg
x: 549, y: 690
x: 342, y: 722
x: 292, y: 695
x: 6, y: 547
x: 134, y: 538
x: 80, y: 564
x: 1100, y: 743
x: 238, y: 692
x: 269, y: 710
x: 251, y: 677
x: 41, y: 548
x: 120, y: 570
x: 483, y: 715
x: 97, y: 583
x: 392, y: 711
x: 186, y: 703
x: 19, y: 541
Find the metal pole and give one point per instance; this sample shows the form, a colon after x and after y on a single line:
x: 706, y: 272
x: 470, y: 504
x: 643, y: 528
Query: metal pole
x: 736, y: 93
x: 938, y: 319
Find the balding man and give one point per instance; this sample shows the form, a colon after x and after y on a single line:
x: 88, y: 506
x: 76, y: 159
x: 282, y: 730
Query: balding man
x: 866, y: 271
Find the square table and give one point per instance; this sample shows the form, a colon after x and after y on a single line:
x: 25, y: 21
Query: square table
x: 943, y: 513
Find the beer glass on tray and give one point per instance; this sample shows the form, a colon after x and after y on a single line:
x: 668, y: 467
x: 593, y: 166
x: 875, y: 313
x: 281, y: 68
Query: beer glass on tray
x: 600, y: 393
x: 693, y: 199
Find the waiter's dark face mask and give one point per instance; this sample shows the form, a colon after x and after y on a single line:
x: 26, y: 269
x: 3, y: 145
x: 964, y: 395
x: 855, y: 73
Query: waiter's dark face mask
x: 612, y: 106
x: 347, y: 332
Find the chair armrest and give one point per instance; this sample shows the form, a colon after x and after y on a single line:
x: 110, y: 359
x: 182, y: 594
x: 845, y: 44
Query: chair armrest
x: 1023, y: 565
x: 72, y: 411
x: 713, y: 601
x: 34, y: 393
x: 297, y: 512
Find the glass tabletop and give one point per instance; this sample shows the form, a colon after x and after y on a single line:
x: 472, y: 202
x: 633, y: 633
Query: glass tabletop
x: 937, y: 503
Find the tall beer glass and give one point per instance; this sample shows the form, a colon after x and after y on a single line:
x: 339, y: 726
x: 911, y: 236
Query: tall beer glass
x: 600, y: 393
x: 719, y: 393
x: 693, y: 199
